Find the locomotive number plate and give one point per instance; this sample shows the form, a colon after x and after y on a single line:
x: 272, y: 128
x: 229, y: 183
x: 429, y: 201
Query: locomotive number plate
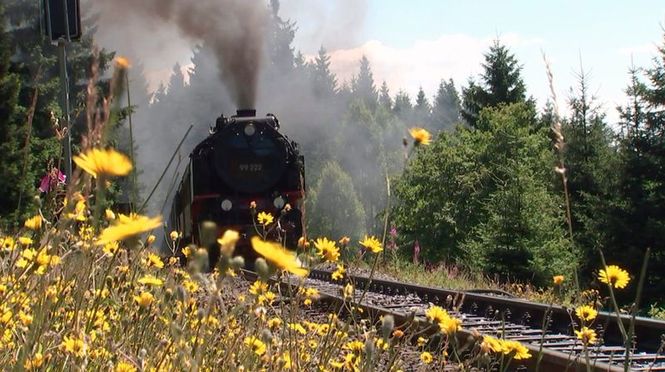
x: 252, y: 167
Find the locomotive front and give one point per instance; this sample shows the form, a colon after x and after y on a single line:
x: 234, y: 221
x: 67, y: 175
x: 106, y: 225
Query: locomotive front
x: 245, y: 159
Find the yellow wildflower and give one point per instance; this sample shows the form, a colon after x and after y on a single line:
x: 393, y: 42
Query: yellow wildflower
x: 35, y: 362
x: 125, y: 367
x: 421, y: 341
x: 420, y: 136
x: 258, y: 287
x: 144, y: 299
x: 450, y: 325
x: 557, y: 279
x: 586, y: 313
x: 174, y: 235
x: 339, y: 273
x: 34, y: 223
x: 490, y: 344
x: 257, y: 346
x: 297, y: 327
x: 348, y: 291
x: 228, y: 242
x: 587, y: 335
x: 151, y: 239
x: 8, y: 243
x: 151, y: 280
x: 122, y: 62
x: 278, y: 256
x: 426, y: 357
x: 109, y: 215
x: 436, y: 314
x: 24, y: 240
x: 111, y: 248
x: 327, y: 249
x: 153, y: 260
x: 372, y: 244
x: 355, y: 346
x: 109, y: 162
x: 265, y: 219
x: 274, y: 323
x: 518, y: 350
x: 128, y: 226
x: 301, y: 242
x: 614, y: 276
x: 344, y: 241
x: 26, y: 319
x: 74, y: 345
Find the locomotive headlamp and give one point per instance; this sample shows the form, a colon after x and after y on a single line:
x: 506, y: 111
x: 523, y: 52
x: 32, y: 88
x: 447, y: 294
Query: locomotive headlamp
x: 226, y: 205
x: 279, y: 202
x: 250, y: 129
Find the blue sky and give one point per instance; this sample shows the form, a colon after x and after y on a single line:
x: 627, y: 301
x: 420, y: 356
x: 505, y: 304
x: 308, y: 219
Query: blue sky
x: 416, y: 43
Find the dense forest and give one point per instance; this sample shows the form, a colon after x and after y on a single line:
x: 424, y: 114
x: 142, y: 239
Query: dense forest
x: 484, y: 195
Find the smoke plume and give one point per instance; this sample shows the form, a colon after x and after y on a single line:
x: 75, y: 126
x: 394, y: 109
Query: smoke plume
x: 233, y: 29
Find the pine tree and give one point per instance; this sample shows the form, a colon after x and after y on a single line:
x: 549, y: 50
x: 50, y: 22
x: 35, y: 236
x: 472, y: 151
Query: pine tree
x: 281, y: 34
x: 12, y: 182
x: 385, y: 100
x: 363, y: 85
x: 590, y: 162
x: 33, y: 59
x: 501, y: 82
x: 638, y: 215
x: 446, y: 107
x: 336, y: 210
x: 403, y: 108
x: 422, y: 109
x: 324, y: 82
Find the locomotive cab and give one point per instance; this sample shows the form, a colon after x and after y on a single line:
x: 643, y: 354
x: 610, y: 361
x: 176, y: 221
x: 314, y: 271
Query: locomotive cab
x: 245, y: 159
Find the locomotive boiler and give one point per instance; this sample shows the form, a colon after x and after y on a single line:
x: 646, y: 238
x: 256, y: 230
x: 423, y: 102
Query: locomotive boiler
x: 245, y: 161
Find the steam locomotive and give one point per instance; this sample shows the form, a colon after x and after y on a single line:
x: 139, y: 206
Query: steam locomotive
x: 244, y: 161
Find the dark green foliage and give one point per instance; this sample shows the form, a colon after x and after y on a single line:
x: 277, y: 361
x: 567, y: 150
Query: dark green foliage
x: 483, y: 199
x: 34, y: 63
x: 363, y: 87
x: 591, y: 161
x: 501, y: 82
x: 422, y: 111
x: 323, y: 81
x: 12, y: 118
x: 334, y: 208
x: 446, y: 107
x: 385, y: 100
x: 638, y: 215
x: 403, y: 108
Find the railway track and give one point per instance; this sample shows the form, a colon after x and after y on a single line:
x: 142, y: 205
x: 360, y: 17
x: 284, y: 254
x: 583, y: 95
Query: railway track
x: 497, y: 314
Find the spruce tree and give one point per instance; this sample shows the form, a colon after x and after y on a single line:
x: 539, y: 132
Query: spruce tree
x: 363, y: 87
x: 446, y: 107
x: 590, y: 162
x: 638, y: 215
x: 501, y: 82
x: 34, y: 61
x: 12, y: 181
x: 403, y: 108
x: 335, y: 208
x: 324, y: 82
x: 422, y: 109
x: 385, y: 100
x: 281, y: 34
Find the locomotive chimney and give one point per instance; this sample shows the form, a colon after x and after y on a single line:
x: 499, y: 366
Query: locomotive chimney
x: 245, y: 113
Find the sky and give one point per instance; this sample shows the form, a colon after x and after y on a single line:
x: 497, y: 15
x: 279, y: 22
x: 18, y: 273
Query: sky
x: 416, y: 43
x: 413, y: 44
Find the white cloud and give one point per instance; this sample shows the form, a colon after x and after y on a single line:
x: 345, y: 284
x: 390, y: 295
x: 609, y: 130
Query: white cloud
x: 425, y: 62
